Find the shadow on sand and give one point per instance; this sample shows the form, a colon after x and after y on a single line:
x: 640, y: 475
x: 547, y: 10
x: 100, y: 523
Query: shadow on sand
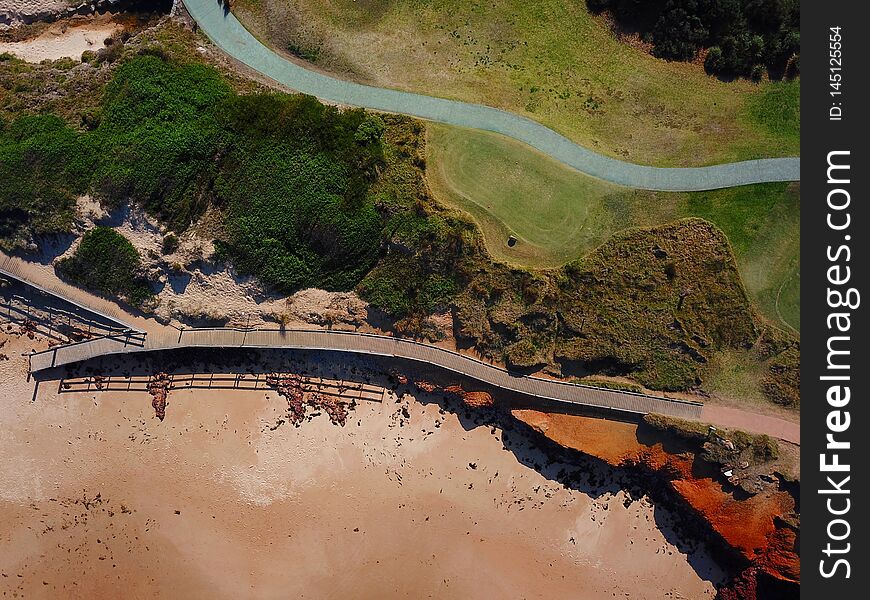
x: 573, y: 470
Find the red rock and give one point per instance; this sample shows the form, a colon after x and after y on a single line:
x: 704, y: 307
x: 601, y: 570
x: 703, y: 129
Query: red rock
x: 752, y: 526
x: 158, y: 387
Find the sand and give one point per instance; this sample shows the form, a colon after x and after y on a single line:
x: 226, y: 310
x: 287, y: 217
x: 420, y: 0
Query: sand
x: 65, y: 39
x: 407, y: 500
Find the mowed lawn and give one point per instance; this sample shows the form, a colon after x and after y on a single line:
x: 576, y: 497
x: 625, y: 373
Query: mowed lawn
x: 558, y: 214
x: 550, y: 60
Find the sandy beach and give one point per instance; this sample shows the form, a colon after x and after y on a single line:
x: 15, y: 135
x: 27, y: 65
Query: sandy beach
x: 65, y: 39
x: 412, y: 498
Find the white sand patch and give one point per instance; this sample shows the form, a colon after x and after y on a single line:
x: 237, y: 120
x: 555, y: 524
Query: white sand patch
x: 65, y: 40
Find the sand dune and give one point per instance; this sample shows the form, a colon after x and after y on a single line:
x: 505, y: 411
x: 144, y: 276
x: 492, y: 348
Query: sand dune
x: 67, y: 39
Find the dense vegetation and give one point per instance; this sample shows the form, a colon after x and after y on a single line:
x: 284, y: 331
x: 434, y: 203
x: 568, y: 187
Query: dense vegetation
x: 558, y: 215
x: 43, y: 165
x: 107, y: 263
x: 310, y: 195
x: 742, y: 37
x: 291, y: 173
x: 674, y: 301
x: 295, y: 187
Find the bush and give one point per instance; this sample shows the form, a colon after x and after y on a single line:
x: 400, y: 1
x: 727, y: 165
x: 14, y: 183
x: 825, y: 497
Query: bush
x: 370, y: 130
x: 44, y: 165
x: 291, y: 174
x: 159, y: 135
x: 713, y: 61
x: 170, y: 243
x: 107, y: 263
x: 757, y: 73
x: 678, y: 34
x: 747, y: 32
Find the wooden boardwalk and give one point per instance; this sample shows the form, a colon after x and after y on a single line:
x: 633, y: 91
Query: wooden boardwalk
x: 107, y: 316
x: 343, y: 389
x: 366, y: 344
x: 121, y: 338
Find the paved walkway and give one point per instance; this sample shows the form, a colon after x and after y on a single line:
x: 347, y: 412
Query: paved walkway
x: 230, y: 36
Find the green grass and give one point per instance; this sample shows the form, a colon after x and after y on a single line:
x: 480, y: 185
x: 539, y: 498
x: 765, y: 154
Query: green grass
x: 558, y: 214
x: 763, y: 224
x: 550, y: 60
x: 736, y: 374
x: 777, y: 108
x: 550, y: 210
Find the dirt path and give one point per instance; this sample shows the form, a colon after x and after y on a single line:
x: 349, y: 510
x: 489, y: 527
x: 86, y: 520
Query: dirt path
x: 737, y: 418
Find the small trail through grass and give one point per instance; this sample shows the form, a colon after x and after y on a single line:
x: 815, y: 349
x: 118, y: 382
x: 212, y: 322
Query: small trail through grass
x: 229, y: 34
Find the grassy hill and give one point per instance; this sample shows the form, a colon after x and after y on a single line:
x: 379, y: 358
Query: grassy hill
x: 550, y: 60
x: 304, y: 194
x: 558, y: 215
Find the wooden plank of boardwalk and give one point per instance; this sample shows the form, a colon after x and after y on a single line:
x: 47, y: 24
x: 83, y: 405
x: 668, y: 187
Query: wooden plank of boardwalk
x: 377, y: 345
x: 16, y: 269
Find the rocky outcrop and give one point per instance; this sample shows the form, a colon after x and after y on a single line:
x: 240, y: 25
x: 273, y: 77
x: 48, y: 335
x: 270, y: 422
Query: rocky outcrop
x: 759, y: 528
x: 25, y: 12
x: 158, y: 387
x: 478, y: 400
x: 291, y: 387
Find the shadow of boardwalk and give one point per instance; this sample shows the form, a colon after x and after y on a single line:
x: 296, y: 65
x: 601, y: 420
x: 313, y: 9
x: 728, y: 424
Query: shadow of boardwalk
x: 48, y: 315
x: 246, y: 370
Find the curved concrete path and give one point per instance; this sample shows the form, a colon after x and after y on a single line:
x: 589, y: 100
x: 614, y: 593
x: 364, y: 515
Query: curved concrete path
x: 231, y: 37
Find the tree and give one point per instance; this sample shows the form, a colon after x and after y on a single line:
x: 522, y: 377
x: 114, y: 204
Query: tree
x: 713, y: 62
x: 679, y: 33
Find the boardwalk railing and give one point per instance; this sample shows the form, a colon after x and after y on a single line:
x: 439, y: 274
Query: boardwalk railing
x: 367, y: 344
x: 13, y: 268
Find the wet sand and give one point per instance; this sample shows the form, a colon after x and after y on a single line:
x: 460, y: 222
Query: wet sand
x: 407, y: 500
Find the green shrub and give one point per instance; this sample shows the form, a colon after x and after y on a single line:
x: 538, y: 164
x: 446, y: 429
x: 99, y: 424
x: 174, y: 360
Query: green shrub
x: 291, y: 174
x: 745, y: 33
x: 107, y: 263
x: 170, y: 243
x: 44, y: 165
x: 158, y: 137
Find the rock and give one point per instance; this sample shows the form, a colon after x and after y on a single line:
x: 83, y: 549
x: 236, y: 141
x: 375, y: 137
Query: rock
x: 158, y: 387
x: 478, y: 400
